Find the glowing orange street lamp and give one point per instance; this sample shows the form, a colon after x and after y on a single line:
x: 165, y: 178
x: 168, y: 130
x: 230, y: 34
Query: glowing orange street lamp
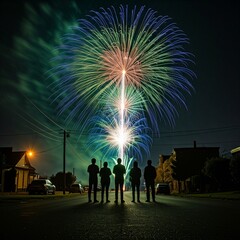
x: 30, y: 153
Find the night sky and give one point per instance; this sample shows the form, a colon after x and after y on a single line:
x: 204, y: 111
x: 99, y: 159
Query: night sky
x: 212, y: 117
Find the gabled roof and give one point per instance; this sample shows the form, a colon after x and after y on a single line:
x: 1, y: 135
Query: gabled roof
x: 11, y: 159
x: 14, y: 157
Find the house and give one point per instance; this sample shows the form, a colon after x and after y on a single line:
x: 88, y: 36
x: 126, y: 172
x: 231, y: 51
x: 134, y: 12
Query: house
x: 190, y: 162
x: 16, y: 172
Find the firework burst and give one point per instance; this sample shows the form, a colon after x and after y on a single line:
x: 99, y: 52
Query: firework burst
x: 133, y: 59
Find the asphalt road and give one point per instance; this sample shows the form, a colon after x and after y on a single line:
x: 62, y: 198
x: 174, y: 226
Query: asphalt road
x: 73, y: 218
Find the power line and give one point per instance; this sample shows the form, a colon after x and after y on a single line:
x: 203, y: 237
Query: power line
x: 161, y: 134
x: 49, y: 149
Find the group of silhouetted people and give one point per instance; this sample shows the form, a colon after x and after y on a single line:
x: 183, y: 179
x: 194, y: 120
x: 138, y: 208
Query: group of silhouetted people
x: 119, y: 171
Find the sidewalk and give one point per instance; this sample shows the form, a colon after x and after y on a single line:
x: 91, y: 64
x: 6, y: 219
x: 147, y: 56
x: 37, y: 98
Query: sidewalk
x: 233, y: 195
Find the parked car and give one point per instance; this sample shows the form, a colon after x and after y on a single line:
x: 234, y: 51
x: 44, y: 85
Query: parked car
x: 41, y: 186
x: 163, y: 188
x: 86, y: 187
x: 76, y: 188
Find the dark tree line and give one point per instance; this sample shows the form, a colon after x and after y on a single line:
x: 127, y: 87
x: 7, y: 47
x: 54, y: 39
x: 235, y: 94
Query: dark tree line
x: 217, y: 174
x: 224, y: 173
x: 235, y: 170
x: 58, y: 180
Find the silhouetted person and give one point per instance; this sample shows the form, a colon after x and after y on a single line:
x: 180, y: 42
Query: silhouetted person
x: 105, y: 174
x: 93, y: 171
x: 119, y: 170
x: 149, y: 176
x: 135, y: 175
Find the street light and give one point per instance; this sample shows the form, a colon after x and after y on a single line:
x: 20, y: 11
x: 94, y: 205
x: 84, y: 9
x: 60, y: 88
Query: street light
x: 30, y: 153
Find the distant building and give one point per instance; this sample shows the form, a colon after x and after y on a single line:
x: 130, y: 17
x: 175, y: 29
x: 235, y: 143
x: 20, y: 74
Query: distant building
x: 16, y: 172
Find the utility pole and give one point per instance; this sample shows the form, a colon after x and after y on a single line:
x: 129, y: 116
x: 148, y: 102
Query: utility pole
x: 64, y: 161
x: 65, y: 135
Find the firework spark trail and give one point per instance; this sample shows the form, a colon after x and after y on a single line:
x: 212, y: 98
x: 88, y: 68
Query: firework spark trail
x: 111, y: 54
x: 122, y: 134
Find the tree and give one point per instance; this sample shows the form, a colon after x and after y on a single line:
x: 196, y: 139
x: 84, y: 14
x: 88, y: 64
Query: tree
x: 179, y: 172
x: 167, y: 169
x: 57, y: 180
x: 217, y: 169
x: 234, y: 167
x: 160, y: 174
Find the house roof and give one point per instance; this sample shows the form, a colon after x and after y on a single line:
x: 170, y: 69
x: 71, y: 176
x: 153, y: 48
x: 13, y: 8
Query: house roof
x: 192, y: 160
x: 14, y: 157
x: 198, y: 151
x: 11, y: 159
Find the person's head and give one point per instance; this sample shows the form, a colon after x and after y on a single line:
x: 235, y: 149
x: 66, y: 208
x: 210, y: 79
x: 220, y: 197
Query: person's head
x: 105, y: 164
x: 149, y: 162
x: 119, y: 160
x: 135, y: 164
x: 93, y: 160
